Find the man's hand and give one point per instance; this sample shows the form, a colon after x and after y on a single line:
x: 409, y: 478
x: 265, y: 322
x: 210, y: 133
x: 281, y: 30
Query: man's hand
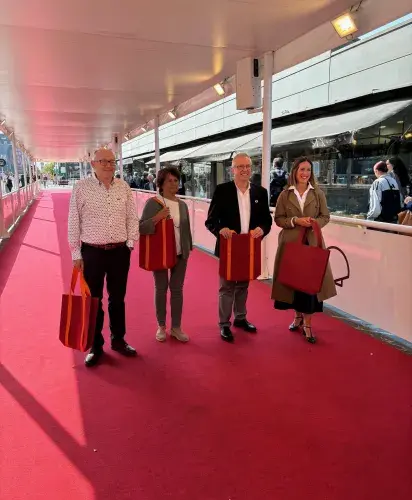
x: 163, y: 214
x: 257, y: 233
x: 78, y: 264
x: 226, y: 233
x: 303, y: 221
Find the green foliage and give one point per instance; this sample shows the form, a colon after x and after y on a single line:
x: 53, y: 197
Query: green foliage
x: 48, y: 169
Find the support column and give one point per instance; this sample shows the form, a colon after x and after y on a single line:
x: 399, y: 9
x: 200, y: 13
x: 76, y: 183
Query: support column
x: 267, y: 117
x: 3, y: 232
x: 25, y: 187
x: 16, y: 206
x: 157, y: 144
x: 268, y: 63
x: 117, y: 143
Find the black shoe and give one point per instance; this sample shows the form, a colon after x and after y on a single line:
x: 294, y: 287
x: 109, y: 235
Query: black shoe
x: 122, y: 347
x: 93, y: 357
x: 245, y: 325
x: 226, y: 334
x: 310, y: 338
x: 297, y: 324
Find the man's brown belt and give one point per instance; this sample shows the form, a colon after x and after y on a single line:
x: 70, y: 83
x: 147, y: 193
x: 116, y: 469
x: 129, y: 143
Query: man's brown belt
x: 107, y: 246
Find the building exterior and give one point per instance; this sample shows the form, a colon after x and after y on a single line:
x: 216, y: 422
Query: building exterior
x: 368, y: 81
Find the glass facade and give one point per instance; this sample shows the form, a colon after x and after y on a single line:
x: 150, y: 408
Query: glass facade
x: 343, y: 164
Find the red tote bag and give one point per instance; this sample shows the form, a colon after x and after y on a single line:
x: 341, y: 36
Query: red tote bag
x: 240, y: 257
x: 158, y: 251
x: 78, y: 316
x: 303, y: 267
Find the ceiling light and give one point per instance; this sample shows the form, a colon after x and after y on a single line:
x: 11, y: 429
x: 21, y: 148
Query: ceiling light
x: 382, y: 126
x: 2, y: 123
x: 144, y: 129
x: 172, y: 114
x: 400, y: 122
x: 219, y: 89
x: 126, y: 137
x: 345, y: 25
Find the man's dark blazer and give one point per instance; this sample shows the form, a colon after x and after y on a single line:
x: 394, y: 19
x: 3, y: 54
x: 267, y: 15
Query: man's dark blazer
x: 224, y: 210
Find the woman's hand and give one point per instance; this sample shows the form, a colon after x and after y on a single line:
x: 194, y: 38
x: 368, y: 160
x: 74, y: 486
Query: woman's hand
x: 163, y: 214
x: 408, y: 199
x: 303, y: 221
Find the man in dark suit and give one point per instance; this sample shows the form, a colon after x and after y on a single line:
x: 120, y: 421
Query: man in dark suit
x: 241, y: 207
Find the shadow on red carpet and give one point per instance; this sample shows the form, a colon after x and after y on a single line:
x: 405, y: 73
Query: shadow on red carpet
x: 270, y: 417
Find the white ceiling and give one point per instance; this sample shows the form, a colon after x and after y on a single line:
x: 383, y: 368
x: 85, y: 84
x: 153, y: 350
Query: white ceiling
x: 74, y: 72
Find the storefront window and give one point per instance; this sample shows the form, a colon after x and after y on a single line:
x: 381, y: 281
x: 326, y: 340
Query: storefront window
x: 202, y: 180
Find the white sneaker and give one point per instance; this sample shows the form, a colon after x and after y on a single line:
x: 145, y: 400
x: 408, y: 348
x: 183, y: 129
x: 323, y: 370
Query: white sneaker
x: 161, y: 334
x: 179, y: 335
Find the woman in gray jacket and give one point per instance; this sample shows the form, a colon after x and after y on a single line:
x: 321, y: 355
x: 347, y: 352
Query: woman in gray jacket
x: 167, y: 182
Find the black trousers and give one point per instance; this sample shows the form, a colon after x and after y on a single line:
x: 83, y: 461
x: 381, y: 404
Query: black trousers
x: 113, y: 265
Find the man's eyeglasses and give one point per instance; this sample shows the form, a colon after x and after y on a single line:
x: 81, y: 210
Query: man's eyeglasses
x: 104, y: 163
x: 243, y: 167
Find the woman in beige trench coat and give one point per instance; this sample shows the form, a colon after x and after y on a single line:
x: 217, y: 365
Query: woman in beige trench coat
x: 298, y: 205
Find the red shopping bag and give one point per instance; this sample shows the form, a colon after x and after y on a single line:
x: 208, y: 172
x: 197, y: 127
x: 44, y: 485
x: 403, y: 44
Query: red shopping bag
x: 78, y: 316
x: 240, y: 257
x: 303, y: 267
x: 158, y: 251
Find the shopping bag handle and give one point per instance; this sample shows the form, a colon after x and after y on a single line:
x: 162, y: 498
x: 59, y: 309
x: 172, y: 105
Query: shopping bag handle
x: 316, y: 229
x: 84, y: 288
x: 85, y: 291
x: 339, y: 281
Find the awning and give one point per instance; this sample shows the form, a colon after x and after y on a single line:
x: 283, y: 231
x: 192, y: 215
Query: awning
x: 175, y: 155
x: 141, y: 157
x: 334, y: 125
x: 315, y: 130
x: 222, y: 150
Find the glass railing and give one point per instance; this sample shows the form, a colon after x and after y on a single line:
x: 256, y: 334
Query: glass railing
x: 13, y: 205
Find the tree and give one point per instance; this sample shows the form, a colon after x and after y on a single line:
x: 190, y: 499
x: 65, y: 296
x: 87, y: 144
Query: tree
x: 48, y: 169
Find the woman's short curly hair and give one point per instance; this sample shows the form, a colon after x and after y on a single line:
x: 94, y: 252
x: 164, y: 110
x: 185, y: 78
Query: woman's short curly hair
x: 162, y: 175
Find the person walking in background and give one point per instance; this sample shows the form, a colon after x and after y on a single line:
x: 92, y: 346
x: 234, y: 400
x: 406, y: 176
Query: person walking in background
x: 278, y: 181
x: 297, y: 207
x: 170, y: 206
x: 103, y: 226
x: 150, y: 185
x: 182, y: 182
x: 385, y: 199
x: 399, y: 172
x: 241, y: 207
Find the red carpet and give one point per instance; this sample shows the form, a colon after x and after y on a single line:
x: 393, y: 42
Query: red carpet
x: 269, y: 418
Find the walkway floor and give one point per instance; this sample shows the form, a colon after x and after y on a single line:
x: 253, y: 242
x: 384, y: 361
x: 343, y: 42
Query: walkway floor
x: 268, y: 418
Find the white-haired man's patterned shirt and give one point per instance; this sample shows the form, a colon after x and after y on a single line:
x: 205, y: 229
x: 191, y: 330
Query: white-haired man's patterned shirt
x: 100, y: 216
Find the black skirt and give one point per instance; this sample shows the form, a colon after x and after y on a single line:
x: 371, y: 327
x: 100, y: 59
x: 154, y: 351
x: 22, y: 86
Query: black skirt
x: 302, y: 303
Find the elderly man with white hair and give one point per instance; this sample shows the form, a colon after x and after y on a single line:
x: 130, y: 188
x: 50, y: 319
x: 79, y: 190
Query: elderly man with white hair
x: 241, y: 207
x: 103, y: 226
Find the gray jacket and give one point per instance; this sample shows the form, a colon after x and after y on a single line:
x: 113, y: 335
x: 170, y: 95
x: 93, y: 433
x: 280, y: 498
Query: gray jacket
x: 146, y: 225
